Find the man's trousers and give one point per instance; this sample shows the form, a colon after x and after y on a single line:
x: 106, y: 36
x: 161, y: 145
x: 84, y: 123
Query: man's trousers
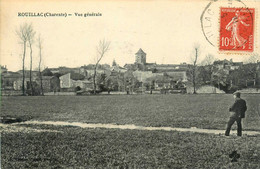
x: 231, y: 122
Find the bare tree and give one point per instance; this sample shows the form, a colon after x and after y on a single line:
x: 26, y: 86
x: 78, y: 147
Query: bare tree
x: 40, y: 62
x: 102, y: 48
x: 30, y: 36
x: 208, y: 60
x: 22, y: 35
x: 206, y: 68
x: 193, y: 67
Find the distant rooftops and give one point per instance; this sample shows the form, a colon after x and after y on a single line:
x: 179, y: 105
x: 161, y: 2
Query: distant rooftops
x: 225, y: 61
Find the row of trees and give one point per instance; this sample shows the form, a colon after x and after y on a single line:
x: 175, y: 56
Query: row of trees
x: 26, y: 35
x: 227, y: 80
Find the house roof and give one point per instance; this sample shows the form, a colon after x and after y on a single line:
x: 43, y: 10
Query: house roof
x: 140, y: 51
x: 52, y: 69
x: 160, y: 78
x: 219, y: 62
x: 237, y: 63
x: 92, y: 66
x: 167, y: 65
x: 47, y: 77
x: 12, y: 75
x: 128, y: 64
x: 176, y: 75
x: 33, y: 71
x: 153, y: 64
x: 117, y: 68
x: 225, y: 61
x: 76, y: 76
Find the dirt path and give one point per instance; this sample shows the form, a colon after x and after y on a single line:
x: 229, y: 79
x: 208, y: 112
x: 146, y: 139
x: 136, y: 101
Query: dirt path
x: 134, y: 127
x: 8, y: 128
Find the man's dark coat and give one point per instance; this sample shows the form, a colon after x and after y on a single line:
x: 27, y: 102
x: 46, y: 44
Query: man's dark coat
x: 239, y: 107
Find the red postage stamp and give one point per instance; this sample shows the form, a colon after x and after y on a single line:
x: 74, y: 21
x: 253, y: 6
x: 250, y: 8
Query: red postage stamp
x: 236, y: 29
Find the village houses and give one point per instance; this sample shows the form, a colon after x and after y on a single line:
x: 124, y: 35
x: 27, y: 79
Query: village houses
x: 152, y: 75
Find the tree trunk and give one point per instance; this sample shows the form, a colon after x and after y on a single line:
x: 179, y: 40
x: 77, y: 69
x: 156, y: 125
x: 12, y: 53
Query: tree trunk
x: 40, y: 74
x: 42, y: 93
x: 193, y: 80
x: 40, y: 61
x: 94, y: 79
x: 194, y: 71
x: 31, y: 85
x: 194, y: 90
x: 24, y: 52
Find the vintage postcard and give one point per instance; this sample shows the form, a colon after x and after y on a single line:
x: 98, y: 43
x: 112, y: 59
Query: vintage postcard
x: 130, y: 84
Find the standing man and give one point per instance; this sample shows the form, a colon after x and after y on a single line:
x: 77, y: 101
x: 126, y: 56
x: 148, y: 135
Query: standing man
x: 237, y: 112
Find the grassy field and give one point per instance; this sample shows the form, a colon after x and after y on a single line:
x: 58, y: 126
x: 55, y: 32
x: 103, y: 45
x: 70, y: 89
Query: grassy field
x: 74, y: 147
x: 111, y: 148
x: 202, y: 111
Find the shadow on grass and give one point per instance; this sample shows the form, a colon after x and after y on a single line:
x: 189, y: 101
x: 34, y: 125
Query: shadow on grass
x: 12, y: 119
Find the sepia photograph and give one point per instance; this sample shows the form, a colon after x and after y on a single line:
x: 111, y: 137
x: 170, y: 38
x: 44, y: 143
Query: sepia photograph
x: 127, y: 84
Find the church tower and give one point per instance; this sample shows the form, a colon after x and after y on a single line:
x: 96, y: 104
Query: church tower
x: 140, y: 57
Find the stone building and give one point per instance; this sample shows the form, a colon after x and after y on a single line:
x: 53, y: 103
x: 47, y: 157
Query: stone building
x: 71, y: 81
x: 9, y: 80
x: 140, y: 57
x: 49, y: 83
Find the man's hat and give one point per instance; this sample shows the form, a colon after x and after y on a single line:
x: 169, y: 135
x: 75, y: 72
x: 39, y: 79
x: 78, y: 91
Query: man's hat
x: 237, y: 94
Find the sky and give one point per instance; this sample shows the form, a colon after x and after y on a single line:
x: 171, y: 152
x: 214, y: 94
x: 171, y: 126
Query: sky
x: 166, y: 30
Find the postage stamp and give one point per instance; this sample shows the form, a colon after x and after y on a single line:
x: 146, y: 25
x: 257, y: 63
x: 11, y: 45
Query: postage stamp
x: 236, y: 29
